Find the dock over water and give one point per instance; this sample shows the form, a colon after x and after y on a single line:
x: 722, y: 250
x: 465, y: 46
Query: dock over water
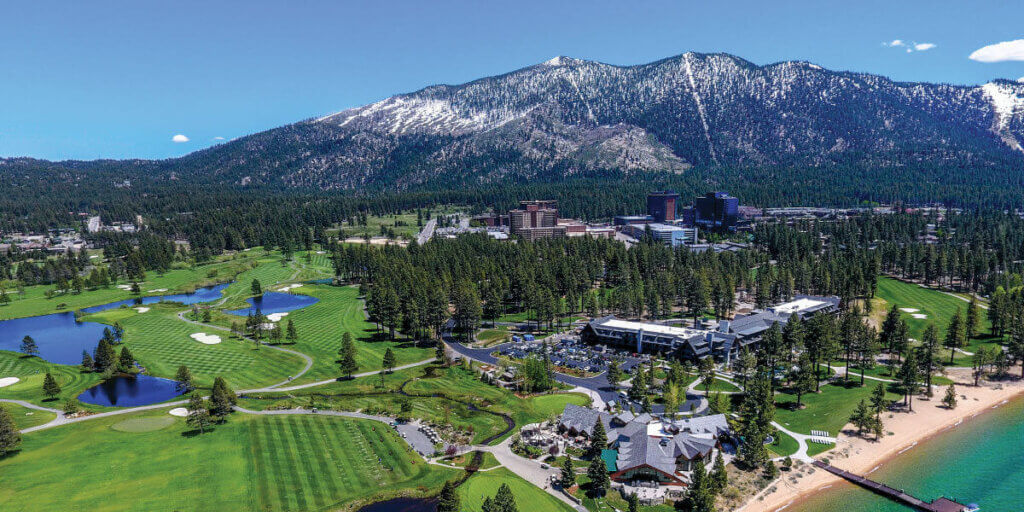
x: 939, y: 505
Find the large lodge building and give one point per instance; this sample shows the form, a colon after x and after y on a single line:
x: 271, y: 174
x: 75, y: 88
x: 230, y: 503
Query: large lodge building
x: 723, y: 343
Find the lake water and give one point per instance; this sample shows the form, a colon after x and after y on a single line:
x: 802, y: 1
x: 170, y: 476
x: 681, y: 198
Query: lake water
x: 60, y: 338
x: 207, y: 294
x: 130, y: 391
x: 403, y: 505
x: 276, y: 302
x: 981, y: 461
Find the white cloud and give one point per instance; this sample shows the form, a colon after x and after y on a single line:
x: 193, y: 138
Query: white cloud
x: 1000, y: 52
x: 179, y: 138
x: 1021, y: 79
x: 218, y: 138
x: 910, y: 47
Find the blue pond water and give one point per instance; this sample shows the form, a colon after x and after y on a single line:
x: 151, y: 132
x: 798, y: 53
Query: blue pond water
x: 207, y: 294
x: 276, y: 302
x: 130, y: 391
x: 59, y: 337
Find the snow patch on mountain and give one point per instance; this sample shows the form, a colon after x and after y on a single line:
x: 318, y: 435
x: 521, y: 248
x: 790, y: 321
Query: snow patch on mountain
x: 1006, y: 103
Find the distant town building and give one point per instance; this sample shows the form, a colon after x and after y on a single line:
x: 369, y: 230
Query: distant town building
x: 93, y: 224
x: 716, y: 211
x: 626, y: 220
x: 535, y: 220
x: 672, y: 236
x: 661, y: 205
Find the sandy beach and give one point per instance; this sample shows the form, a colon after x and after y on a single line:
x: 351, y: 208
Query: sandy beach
x: 863, y: 456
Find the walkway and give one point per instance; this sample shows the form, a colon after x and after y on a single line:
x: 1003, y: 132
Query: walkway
x: 801, y: 439
x: 529, y: 470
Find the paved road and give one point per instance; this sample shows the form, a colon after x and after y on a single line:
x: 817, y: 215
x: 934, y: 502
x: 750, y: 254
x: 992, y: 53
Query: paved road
x: 529, y: 470
x: 328, y: 381
x: 597, y: 385
x: 427, y: 232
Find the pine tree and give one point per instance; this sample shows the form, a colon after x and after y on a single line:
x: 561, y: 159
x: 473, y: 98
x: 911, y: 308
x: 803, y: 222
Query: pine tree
x: 701, y: 495
x: 125, y: 361
x: 568, y: 477
x: 632, y: 503
x: 292, y: 334
x: 614, y: 373
x: 804, y: 380
x: 104, y: 357
x: 448, y: 500
x: 87, y: 362
x: 719, y: 475
x: 909, y: 379
x: 347, y: 364
x: 221, y: 398
x: 598, y: 440
x: 504, y: 501
x: 388, y: 362
x: 950, y: 399
x: 878, y: 401
x: 50, y: 387
x: 198, y: 415
x: 956, y: 335
x: 256, y: 288
x: 184, y: 378
x: 861, y: 417
x: 598, y: 475
x: 10, y: 437
x: 70, y: 407
x: 29, y: 347
x: 973, y: 318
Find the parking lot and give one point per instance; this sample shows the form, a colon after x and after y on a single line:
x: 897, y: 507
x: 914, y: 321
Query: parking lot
x: 568, y: 351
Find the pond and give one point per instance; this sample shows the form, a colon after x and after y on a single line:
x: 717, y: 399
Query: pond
x: 131, y: 391
x: 275, y: 302
x: 59, y: 337
x: 210, y: 293
x: 403, y: 505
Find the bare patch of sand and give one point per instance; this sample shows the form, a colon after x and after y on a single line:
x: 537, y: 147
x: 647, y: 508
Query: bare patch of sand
x: 276, y: 317
x: 919, y: 315
x: 289, y: 287
x: 861, y: 456
x: 141, y: 309
x: 158, y: 290
x: 9, y: 381
x: 909, y: 310
x: 180, y: 412
x: 206, y: 339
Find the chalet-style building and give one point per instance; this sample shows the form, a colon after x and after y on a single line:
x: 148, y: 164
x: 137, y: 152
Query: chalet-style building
x: 649, y: 449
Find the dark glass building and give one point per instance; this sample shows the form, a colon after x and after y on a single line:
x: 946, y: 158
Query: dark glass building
x: 662, y: 205
x: 716, y: 211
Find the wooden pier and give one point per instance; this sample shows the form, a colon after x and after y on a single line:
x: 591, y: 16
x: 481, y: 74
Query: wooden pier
x: 939, y: 505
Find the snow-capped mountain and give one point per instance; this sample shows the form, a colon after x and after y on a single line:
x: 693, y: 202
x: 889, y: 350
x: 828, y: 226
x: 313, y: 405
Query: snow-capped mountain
x: 568, y: 117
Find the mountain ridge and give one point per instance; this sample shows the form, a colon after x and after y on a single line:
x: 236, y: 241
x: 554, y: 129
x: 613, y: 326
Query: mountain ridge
x: 569, y: 117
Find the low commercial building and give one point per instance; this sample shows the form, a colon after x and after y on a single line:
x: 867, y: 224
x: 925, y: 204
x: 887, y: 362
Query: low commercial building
x: 672, y: 236
x: 723, y: 342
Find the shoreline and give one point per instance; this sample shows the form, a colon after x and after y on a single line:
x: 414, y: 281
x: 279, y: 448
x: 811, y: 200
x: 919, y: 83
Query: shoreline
x: 863, y: 457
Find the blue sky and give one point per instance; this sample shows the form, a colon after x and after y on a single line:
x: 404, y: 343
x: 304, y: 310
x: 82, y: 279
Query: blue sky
x: 102, y: 79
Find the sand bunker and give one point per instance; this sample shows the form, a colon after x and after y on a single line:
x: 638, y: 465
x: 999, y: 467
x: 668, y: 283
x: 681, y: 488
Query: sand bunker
x: 7, y: 381
x: 141, y: 310
x: 124, y: 287
x: 919, y: 315
x: 276, y: 317
x: 289, y: 287
x: 206, y: 339
x: 158, y: 290
x: 909, y: 310
x: 180, y: 412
